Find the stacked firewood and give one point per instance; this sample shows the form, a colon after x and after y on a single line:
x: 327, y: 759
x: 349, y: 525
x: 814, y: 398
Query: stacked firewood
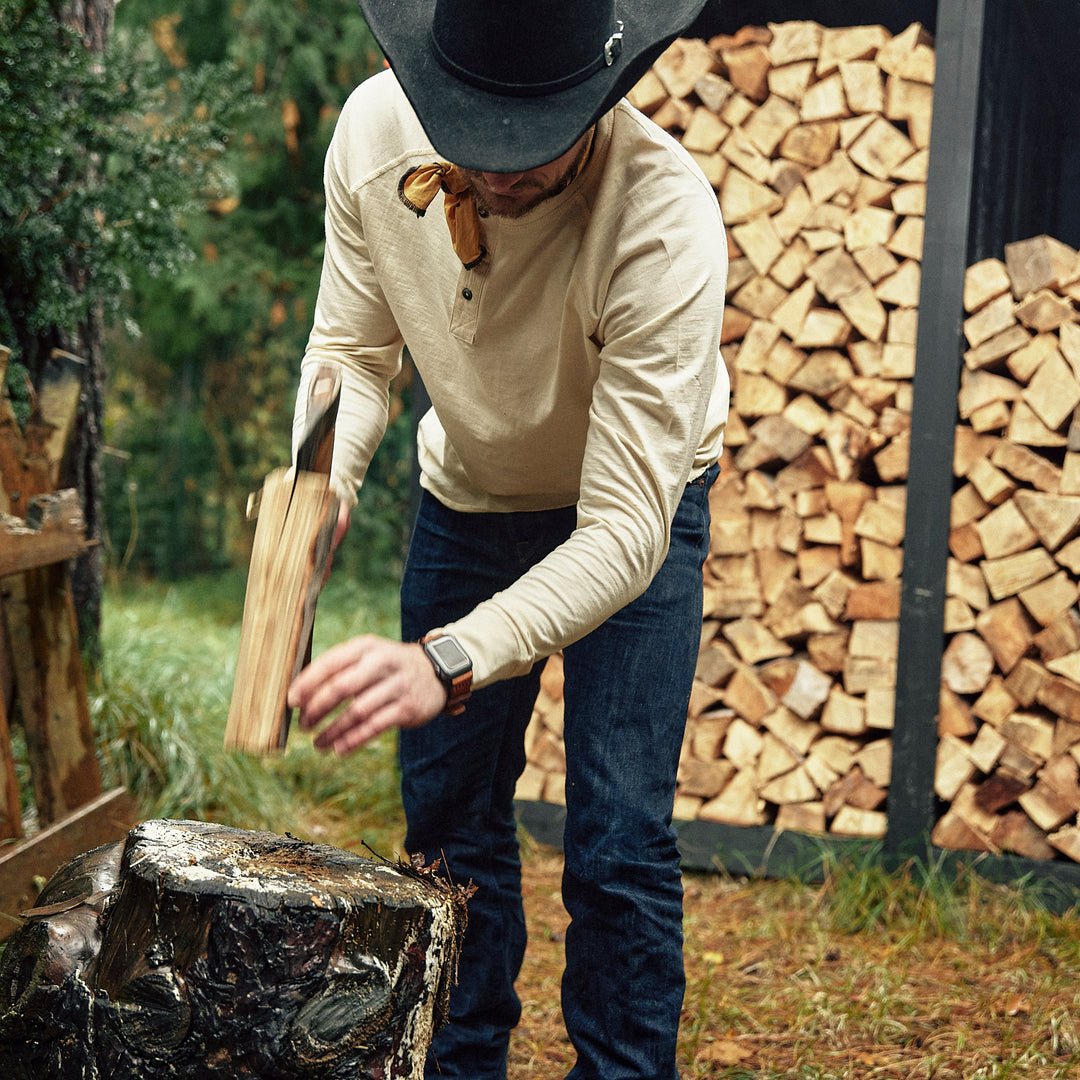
x: 816, y: 141
x: 1009, y: 720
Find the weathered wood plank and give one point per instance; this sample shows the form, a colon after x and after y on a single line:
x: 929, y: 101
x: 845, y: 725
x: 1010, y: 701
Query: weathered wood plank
x: 101, y: 821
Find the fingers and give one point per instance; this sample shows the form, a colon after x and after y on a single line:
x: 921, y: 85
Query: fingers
x: 343, y: 522
x: 357, y: 674
x: 327, y: 681
x: 359, y: 723
x: 341, y: 527
x: 377, y: 683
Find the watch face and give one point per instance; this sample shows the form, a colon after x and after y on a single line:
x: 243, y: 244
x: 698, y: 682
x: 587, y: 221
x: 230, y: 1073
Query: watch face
x: 449, y: 655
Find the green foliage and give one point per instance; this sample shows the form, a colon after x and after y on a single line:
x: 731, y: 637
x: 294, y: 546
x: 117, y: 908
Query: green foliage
x: 101, y: 160
x: 176, y: 184
x: 202, y: 401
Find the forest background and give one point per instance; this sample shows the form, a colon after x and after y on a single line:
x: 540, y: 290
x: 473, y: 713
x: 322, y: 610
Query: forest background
x: 161, y: 218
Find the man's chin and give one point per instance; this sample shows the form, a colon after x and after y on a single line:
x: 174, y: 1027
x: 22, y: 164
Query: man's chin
x: 507, y: 206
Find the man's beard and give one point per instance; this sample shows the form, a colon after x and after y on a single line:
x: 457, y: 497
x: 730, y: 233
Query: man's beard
x: 526, y: 198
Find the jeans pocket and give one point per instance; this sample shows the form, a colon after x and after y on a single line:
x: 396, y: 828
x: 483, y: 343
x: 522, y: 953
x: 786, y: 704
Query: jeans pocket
x: 692, y: 520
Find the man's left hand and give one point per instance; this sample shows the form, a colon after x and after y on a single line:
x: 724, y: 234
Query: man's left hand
x: 386, y: 684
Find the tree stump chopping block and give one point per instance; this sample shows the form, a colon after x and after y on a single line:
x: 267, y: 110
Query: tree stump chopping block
x: 197, y: 950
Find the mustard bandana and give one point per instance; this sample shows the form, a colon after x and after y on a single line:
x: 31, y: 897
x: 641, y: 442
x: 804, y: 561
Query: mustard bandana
x: 419, y: 186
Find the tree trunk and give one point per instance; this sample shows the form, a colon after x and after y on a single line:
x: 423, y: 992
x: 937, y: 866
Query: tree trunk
x: 196, y: 950
x: 93, y: 19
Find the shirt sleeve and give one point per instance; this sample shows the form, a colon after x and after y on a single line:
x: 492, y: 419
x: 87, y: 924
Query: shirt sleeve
x: 353, y: 329
x: 659, y: 369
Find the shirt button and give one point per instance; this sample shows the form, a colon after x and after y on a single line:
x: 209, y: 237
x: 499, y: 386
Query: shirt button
x: 467, y: 293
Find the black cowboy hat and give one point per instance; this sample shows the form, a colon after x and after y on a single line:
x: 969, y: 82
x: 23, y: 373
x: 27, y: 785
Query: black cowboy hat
x: 507, y: 85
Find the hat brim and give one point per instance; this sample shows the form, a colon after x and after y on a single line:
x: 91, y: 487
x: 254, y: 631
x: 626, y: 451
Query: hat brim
x: 478, y: 129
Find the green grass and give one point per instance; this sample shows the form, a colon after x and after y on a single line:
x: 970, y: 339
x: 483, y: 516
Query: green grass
x: 162, y: 698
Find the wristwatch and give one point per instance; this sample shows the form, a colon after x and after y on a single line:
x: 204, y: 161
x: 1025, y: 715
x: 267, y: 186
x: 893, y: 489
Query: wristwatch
x: 453, y: 666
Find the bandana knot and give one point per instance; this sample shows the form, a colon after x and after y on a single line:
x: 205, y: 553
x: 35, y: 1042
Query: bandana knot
x: 421, y: 184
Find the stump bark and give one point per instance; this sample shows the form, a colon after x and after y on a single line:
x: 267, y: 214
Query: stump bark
x: 196, y: 950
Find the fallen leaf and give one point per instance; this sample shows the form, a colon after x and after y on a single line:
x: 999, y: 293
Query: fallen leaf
x: 723, y: 1052
x: 864, y: 1057
x: 1017, y: 1005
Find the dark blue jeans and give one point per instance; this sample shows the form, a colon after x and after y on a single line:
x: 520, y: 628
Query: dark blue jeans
x: 627, y: 686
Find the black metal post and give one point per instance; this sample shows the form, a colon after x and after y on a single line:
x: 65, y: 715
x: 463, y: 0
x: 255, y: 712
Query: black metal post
x: 959, y: 38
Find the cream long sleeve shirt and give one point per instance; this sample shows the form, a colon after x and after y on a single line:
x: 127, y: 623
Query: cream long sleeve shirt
x: 577, y: 365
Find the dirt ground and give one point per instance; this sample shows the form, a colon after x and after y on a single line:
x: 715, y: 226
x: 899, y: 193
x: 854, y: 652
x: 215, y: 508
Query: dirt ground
x: 772, y: 993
